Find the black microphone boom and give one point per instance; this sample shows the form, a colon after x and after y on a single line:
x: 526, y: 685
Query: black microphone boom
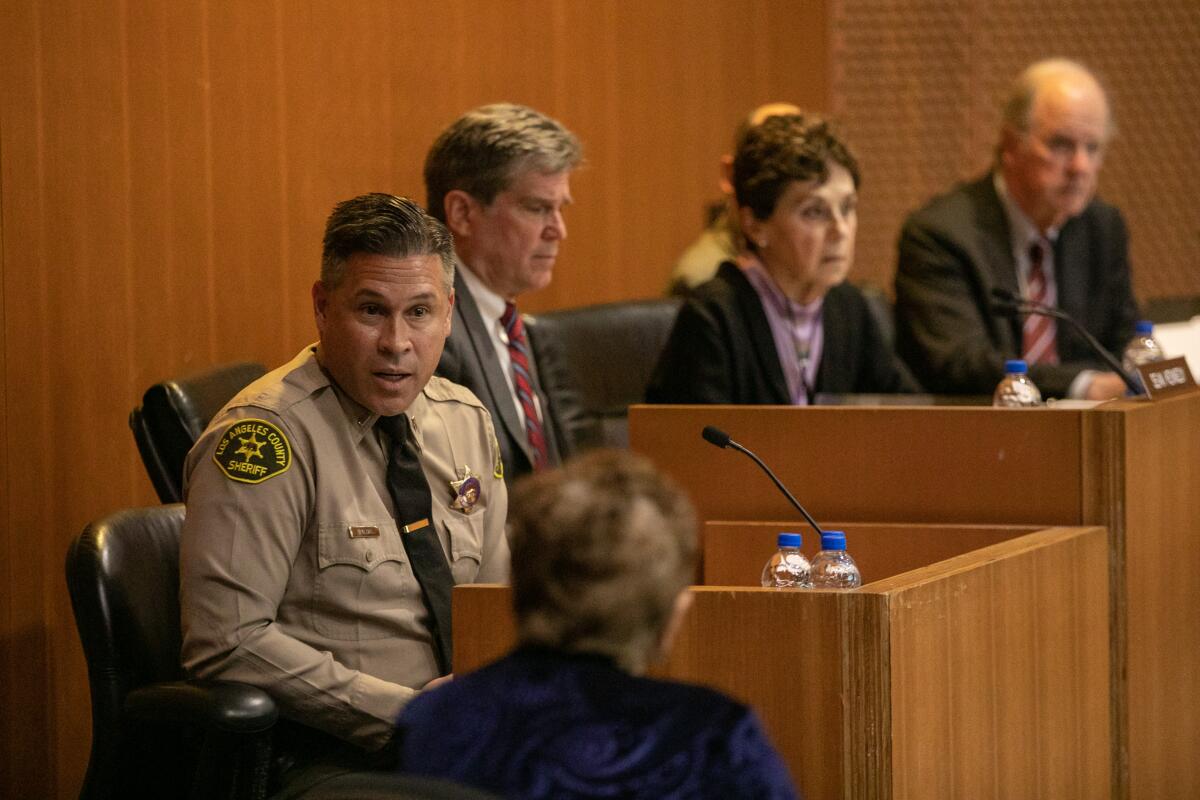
x: 1008, y: 303
x: 718, y: 437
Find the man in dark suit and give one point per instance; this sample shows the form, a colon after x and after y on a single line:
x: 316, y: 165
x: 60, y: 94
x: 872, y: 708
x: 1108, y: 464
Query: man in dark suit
x: 1033, y: 227
x: 499, y: 178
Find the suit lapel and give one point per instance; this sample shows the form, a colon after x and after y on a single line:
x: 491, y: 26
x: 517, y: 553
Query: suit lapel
x: 480, y: 338
x: 835, y: 348
x: 995, y: 246
x: 1071, y: 258
x: 762, y: 341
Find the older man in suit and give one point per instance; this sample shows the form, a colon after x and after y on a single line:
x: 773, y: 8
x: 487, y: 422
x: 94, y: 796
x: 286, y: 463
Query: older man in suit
x: 499, y: 178
x: 1033, y: 227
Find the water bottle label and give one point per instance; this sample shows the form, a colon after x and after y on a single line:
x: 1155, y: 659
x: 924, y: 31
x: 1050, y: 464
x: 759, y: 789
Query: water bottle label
x: 1165, y: 378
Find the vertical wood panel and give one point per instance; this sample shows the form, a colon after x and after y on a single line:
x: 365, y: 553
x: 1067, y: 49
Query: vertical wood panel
x: 24, y: 687
x: 1162, y: 574
x: 1000, y: 674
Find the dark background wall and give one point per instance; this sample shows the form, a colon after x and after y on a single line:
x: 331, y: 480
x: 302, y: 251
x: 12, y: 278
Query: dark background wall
x: 165, y: 170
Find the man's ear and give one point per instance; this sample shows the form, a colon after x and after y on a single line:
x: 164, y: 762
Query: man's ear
x: 460, y: 209
x: 1010, y: 140
x: 683, y: 604
x: 320, y: 298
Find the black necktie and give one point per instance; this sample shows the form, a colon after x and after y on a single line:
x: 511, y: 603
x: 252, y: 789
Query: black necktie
x: 414, y: 517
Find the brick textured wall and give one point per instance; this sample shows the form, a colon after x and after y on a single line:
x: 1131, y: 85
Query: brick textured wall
x: 917, y: 86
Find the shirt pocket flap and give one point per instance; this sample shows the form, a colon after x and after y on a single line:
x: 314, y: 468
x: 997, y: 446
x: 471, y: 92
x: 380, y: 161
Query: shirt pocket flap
x: 360, y: 544
x: 466, y: 537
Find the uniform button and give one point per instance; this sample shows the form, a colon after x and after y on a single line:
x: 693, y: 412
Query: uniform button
x: 370, y: 556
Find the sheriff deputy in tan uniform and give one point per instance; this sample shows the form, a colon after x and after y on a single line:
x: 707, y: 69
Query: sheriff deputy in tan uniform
x: 298, y: 572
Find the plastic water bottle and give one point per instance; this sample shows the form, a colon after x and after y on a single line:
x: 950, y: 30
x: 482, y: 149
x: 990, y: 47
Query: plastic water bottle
x: 1016, y: 390
x: 833, y: 568
x: 788, y: 568
x: 1142, y: 348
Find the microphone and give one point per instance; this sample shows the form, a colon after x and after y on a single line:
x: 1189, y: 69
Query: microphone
x: 1005, y: 302
x: 718, y: 437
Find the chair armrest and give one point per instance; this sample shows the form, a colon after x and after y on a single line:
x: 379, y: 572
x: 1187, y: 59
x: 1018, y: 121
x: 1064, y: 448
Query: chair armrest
x: 218, y: 705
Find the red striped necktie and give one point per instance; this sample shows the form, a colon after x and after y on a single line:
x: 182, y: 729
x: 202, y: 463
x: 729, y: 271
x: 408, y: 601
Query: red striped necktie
x: 518, y: 350
x: 1038, y: 344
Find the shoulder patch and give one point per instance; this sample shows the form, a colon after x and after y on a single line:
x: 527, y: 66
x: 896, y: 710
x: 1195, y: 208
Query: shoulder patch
x: 253, y: 450
x: 441, y: 389
x: 497, y: 462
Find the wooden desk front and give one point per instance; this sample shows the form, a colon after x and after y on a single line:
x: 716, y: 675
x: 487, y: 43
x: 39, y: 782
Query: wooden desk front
x: 1132, y: 466
x: 981, y: 675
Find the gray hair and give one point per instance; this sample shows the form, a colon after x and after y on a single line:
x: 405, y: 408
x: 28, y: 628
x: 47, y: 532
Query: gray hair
x: 600, y: 551
x: 383, y: 224
x: 485, y: 148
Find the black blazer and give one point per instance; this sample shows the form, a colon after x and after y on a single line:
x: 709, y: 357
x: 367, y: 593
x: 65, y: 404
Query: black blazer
x: 954, y: 250
x: 470, y: 359
x: 721, y: 349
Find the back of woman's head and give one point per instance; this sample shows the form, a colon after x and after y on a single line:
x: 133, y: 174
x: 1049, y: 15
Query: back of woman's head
x: 600, y: 550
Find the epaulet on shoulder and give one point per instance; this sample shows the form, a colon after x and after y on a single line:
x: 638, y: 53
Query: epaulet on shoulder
x: 441, y: 390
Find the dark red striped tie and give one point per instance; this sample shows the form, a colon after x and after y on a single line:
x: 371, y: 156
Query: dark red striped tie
x: 518, y: 349
x: 1038, y: 345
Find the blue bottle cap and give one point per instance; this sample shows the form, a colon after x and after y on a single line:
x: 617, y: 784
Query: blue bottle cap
x: 833, y: 540
x: 790, y: 539
x: 1015, y: 365
x: 1144, y: 327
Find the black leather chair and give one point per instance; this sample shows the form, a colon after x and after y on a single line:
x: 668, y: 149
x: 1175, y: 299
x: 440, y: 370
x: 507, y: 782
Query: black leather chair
x: 155, y: 734
x: 174, y: 413
x: 596, y: 360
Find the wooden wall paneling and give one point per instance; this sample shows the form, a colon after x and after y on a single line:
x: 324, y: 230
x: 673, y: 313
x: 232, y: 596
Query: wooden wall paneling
x: 679, y: 78
x: 166, y: 170
x: 87, y: 229
x: 25, y: 683
x: 250, y: 281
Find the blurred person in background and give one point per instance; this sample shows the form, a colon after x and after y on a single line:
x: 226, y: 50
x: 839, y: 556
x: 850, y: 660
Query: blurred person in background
x: 603, y: 552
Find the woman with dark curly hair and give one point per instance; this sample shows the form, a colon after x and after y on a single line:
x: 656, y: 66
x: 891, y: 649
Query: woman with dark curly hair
x: 779, y: 324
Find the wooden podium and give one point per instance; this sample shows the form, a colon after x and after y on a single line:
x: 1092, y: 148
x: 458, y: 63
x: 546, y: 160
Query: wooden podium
x: 1131, y: 466
x: 975, y: 664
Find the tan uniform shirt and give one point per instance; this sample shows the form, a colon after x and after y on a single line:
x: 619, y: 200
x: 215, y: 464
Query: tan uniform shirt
x: 293, y: 575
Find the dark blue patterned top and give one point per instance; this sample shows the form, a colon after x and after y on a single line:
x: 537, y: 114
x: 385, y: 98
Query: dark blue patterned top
x: 544, y: 724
